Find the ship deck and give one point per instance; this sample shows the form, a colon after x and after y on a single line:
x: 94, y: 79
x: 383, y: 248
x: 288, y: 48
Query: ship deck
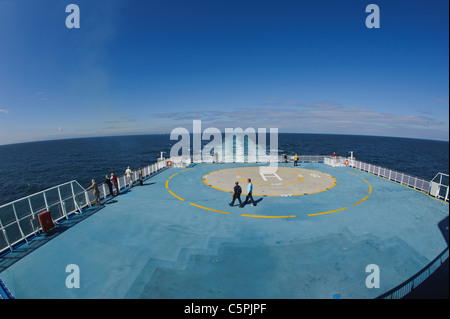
x: 313, y: 231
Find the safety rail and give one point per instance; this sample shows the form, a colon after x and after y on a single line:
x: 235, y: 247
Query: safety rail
x: 408, y: 286
x: 19, y: 219
x: 438, y: 187
x: 123, y: 183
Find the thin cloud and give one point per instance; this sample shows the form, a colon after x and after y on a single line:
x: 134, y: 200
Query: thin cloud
x: 4, y: 111
x: 312, y: 118
x: 436, y: 99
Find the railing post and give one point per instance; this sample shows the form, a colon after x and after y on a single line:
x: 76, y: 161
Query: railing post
x: 32, y: 212
x: 88, y: 201
x: 46, y: 203
x: 62, y: 203
x: 18, y: 224
x: 6, y: 236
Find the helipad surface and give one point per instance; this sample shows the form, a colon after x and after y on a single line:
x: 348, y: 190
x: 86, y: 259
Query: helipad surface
x: 312, y: 235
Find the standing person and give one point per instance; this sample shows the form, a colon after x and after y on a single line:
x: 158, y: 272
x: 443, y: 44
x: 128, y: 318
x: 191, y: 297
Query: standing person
x: 96, y: 191
x: 108, y: 182
x: 129, y: 178
x: 295, y: 160
x: 249, y: 193
x: 285, y: 158
x: 140, y: 177
x: 237, y: 191
x: 115, y: 183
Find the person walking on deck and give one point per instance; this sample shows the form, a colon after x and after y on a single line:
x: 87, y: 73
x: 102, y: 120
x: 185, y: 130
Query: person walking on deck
x: 249, y: 193
x: 237, y: 191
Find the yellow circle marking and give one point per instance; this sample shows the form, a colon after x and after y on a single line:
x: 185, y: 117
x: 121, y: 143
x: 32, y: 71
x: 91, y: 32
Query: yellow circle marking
x: 265, y: 216
x: 223, y: 190
x: 357, y: 203
x: 261, y: 216
x: 214, y: 210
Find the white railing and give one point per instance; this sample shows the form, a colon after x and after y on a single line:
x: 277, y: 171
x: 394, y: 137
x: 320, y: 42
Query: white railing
x: 438, y: 187
x: 19, y: 219
x: 392, y: 175
x: 180, y: 161
x: 123, y: 183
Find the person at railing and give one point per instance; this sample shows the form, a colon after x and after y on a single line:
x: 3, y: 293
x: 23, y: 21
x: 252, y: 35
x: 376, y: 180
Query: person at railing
x: 295, y: 160
x: 140, y: 177
x: 96, y: 191
x: 108, y: 182
x: 128, y: 173
x: 115, y: 183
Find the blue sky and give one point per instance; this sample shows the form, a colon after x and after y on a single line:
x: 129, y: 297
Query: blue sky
x: 138, y: 67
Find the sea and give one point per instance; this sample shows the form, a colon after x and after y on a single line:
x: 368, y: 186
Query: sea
x: 28, y: 168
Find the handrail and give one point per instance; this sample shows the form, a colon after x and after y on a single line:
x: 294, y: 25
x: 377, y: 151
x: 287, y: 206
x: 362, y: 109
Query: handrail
x: 407, y: 286
x: 18, y: 222
x: 431, y: 188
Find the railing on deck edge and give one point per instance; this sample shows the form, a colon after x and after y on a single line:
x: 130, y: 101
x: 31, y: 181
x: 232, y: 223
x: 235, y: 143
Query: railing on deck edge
x: 408, y: 286
x: 18, y: 219
x: 438, y: 187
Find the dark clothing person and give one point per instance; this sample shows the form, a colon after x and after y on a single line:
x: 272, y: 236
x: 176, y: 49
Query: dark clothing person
x: 108, y: 182
x: 115, y: 183
x: 237, y: 191
x: 140, y: 177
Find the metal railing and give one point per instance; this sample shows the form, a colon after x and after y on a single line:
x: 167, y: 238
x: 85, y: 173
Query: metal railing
x: 392, y: 175
x: 438, y: 187
x: 123, y: 181
x: 19, y: 219
x: 408, y: 286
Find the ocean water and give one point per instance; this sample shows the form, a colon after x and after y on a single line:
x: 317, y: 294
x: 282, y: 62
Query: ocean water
x: 28, y: 168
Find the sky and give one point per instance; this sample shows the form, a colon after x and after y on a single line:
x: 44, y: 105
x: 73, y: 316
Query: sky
x: 144, y: 67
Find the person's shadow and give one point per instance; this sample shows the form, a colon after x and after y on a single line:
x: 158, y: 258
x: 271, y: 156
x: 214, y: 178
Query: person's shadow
x: 256, y: 202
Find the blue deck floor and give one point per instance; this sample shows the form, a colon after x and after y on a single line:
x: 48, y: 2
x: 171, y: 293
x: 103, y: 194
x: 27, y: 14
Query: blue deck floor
x: 188, y: 243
